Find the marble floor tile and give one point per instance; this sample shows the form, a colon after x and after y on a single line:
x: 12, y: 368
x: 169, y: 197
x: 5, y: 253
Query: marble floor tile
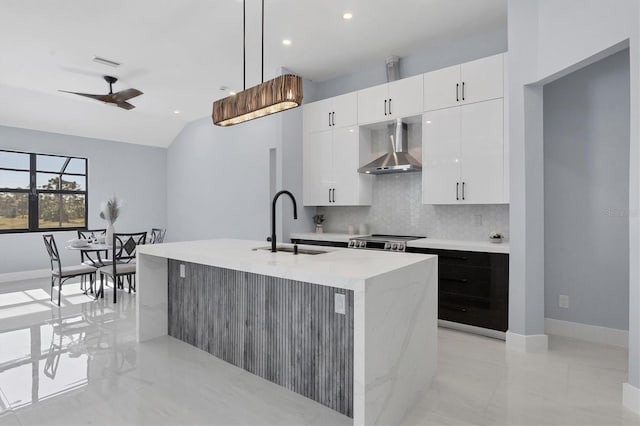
x: 81, y: 364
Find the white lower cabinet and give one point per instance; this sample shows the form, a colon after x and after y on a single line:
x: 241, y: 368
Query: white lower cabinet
x: 330, y: 163
x: 463, y: 154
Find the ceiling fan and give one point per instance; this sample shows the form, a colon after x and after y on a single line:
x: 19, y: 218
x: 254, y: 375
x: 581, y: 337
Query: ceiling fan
x: 119, y: 98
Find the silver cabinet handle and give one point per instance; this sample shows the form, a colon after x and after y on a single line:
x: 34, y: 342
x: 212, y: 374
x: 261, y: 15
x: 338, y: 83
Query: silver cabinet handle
x: 457, y: 92
x: 462, y: 190
x: 463, y: 100
x: 457, y: 190
x: 385, y: 107
x: 389, y: 106
x: 329, y: 194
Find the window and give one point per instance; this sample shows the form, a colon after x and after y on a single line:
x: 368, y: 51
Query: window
x: 40, y: 192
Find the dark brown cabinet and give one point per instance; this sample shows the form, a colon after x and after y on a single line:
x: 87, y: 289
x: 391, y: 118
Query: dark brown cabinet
x: 473, y: 287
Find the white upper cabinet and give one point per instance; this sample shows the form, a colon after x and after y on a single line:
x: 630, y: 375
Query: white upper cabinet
x: 345, y: 110
x: 467, y: 83
x: 339, y: 111
x: 482, y: 149
x: 482, y: 79
x: 441, y: 156
x: 442, y: 88
x: 317, y: 170
x: 398, y: 99
x: 463, y: 154
x: 330, y: 169
x: 372, y: 104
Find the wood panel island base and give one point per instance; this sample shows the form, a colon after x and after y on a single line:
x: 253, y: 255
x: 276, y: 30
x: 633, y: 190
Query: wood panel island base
x: 355, y: 330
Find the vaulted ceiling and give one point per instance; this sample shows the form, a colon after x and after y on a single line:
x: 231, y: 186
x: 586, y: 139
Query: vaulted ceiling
x: 181, y: 52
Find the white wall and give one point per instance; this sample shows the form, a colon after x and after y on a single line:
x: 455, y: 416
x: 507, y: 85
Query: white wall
x: 586, y: 194
x: 549, y: 39
x: 135, y: 173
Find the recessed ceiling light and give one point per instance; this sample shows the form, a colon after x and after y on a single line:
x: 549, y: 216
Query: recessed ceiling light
x: 286, y: 42
x: 232, y: 93
x: 347, y: 16
x: 176, y: 111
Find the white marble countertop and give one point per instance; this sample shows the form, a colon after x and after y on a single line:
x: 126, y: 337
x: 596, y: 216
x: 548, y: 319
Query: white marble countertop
x: 339, y: 267
x: 465, y: 245
x: 328, y: 236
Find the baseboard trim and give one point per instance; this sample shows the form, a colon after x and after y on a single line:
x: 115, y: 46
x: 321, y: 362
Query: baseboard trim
x: 631, y: 397
x: 472, y: 329
x: 590, y: 333
x: 527, y: 343
x: 24, y: 275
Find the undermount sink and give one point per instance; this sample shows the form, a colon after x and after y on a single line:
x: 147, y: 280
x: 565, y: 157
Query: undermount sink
x: 289, y: 249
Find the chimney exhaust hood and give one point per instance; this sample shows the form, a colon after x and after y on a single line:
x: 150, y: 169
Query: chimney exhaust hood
x: 398, y: 160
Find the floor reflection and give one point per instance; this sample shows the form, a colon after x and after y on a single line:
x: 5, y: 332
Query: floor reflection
x: 47, y: 351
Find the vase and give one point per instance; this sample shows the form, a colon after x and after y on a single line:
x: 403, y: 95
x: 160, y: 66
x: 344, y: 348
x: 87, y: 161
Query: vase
x: 319, y: 229
x: 108, y: 237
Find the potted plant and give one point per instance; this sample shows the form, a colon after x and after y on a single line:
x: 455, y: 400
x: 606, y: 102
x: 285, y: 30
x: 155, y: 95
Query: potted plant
x: 318, y: 219
x: 495, y: 237
x: 109, y: 211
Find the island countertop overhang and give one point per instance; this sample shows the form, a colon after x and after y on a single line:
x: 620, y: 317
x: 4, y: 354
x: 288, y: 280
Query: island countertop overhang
x: 339, y: 267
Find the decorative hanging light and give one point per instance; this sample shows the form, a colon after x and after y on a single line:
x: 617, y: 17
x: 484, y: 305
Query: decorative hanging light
x: 279, y: 94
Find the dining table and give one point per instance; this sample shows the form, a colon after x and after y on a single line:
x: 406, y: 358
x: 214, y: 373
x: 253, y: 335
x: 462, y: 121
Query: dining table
x: 91, y: 253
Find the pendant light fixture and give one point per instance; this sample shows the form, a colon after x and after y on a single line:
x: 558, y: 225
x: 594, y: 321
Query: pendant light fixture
x: 279, y: 94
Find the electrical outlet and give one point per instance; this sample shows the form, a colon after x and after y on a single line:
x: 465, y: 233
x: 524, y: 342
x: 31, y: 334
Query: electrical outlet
x: 183, y: 272
x: 477, y: 218
x: 563, y: 301
x: 339, y: 304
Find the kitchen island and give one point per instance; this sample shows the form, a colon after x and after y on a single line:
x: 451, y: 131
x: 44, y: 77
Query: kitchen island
x: 355, y: 330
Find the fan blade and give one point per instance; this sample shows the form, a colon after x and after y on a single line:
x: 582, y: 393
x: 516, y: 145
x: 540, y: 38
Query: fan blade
x: 125, y: 105
x: 124, y: 95
x: 103, y: 98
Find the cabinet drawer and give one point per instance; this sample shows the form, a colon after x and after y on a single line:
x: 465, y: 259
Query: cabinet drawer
x: 480, y: 313
x: 472, y: 281
x: 467, y: 258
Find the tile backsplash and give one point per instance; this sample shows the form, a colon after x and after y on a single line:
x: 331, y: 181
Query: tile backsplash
x: 397, y: 209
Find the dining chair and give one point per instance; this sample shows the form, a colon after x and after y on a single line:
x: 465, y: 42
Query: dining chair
x: 63, y: 273
x: 157, y: 235
x: 124, y: 253
x: 85, y: 257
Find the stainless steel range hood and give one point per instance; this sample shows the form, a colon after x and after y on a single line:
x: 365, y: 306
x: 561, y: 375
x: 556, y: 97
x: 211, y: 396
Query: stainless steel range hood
x: 398, y: 160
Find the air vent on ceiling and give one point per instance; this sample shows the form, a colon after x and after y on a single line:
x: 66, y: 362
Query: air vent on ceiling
x: 107, y: 62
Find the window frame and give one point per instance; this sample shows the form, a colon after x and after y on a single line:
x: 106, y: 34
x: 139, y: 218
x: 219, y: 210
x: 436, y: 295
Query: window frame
x: 34, y: 192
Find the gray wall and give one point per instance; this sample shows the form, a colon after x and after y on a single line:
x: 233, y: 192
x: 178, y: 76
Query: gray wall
x: 218, y: 180
x: 586, y: 194
x: 431, y: 58
x: 135, y: 173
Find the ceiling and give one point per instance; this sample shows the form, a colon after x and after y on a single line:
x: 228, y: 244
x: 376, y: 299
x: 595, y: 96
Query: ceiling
x: 180, y: 52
